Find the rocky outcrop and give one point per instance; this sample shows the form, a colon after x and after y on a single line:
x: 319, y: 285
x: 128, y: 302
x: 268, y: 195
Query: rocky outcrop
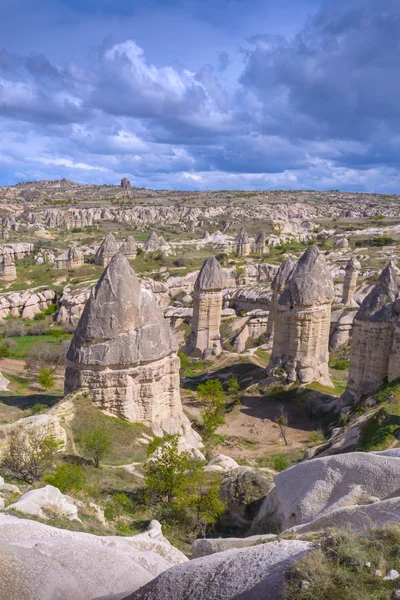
x: 302, y: 322
x: 8, y: 269
x: 204, y: 340
x: 242, y: 242
x: 356, y: 486
x: 375, y: 349
x: 125, y: 183
x: 128, y: 248
x: 352, y: 271
x: 107, y: 250
x: 255, y: 327
x: 256, y: 573
x: 124, y: 355
x: 72, y: 259
x: 39, y: 561
x: 48, y: 498
x: 25, y: 304
x: 260, y: 244
x: 341, y: 328
x: 152, y: 244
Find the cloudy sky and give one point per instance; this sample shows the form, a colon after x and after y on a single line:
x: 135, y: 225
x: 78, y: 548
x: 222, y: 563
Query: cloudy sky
x: 202, y: 94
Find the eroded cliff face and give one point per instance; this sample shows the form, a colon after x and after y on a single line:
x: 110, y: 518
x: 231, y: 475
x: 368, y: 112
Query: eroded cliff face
x: 375, y: 344
x: 124, y: 354
x: 205, y: 340
x: 302, y: 321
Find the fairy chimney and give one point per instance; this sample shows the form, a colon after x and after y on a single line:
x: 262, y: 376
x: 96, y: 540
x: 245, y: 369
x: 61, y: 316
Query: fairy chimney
x: 107, y: 250
x: 352, y: 271
x: 129, y: 248
x: 260, y: 244
x: 242, y: 243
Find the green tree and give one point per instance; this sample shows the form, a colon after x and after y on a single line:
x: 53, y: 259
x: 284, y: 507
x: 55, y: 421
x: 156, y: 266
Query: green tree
x: 167, y: 469
x: 211, y: 393
x: 203, y: 501
x: 212, y: 418
x: 233, y: 388
x: 46, y: 378
x: 96, y: 445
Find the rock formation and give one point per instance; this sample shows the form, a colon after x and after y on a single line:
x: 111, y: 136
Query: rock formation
x: 129, y: 248
x: 260, y: 244
x: 152, y: 244
x: 242, y: 243
x: 356, y: 488
x: 350, y: 282
x: 302, y: 322
x: 8, y: 270
x: 123, y: 353
x: 278, y: 285
x: 71, y: 259
x: 40, y: 561
x: 125, y: 183
x: 375, y: 343
x: 107, y: 250
x: 205, y: 340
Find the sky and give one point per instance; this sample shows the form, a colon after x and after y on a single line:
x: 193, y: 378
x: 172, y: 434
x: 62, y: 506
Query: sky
x: 210, y: 94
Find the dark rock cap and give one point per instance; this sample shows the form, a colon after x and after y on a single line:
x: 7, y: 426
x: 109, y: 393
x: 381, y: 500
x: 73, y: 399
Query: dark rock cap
x: 121, y: 323
x: 211, y: 276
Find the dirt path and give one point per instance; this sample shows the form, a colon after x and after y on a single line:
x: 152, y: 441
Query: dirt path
x: 14, y: 365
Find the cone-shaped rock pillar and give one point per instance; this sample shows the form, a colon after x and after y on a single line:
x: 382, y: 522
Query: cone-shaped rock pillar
x: 260, y: 244
x: 107, y: 250
x: 375, y: 342
x: 278, y: 285
x: 204, y: 340
x: 123, y: 352
x: 129, y: 248
x: 352, y: 271
x: 242, y: 243
x: 152, y: 244
x: 302, y: 322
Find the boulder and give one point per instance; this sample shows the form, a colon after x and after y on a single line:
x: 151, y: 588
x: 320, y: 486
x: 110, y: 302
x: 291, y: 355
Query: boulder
x: 221, y: 463
x: 46, y: 563
x: 49, y: 498
x: 256, y: 573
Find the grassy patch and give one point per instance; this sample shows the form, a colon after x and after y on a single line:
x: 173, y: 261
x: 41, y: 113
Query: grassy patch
x: 25, y: 343
x: 336, y: 567
x: 382, y: 429
x: 124, y: 435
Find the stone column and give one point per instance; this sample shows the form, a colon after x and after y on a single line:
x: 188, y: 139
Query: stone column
x: 302, y: 322
x: 278, y: 284
x: 242, y: 243
x: 352, y: 271
x: 260, y: 246
x: 204, y: 340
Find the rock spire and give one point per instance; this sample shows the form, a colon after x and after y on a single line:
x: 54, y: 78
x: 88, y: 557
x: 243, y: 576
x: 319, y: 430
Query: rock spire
x: 107, y: 250
x: 352, y: 271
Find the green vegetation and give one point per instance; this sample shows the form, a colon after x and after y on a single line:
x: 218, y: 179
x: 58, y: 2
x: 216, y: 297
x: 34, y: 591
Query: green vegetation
x: 211, y: 393
x: 96, y: 445
x: 340, y: 365
x: 343, y: 564
x: 66, y: 478
x: 46, y: 378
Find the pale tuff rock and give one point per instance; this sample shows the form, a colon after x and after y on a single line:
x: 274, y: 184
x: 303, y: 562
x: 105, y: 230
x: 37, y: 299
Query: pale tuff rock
x: 73, y: 258
x: 3, y: 383
x: 205, y: 339
x: 313, y: 491
x: 302, y: 321
x: 25, y: 304
x: 8, y: 270
x: 123, y: 353
x: 206, y: 546
x: 49, y: 424
x: 152, y: 244
x: 278, y: 284
x: 256, y: 573
x: 129, y: 248
x: 39, y: 561
x: 341, y: 327
x: 17, y: 251
x: 256, y: 325
x: 242, y: 243
x: 48, y: 498
x: 221, y: 463
x: 352, y: 271
x: 342, y: 243
x: 107, y: 250
x: 375, y: 348
x: 260, y: 244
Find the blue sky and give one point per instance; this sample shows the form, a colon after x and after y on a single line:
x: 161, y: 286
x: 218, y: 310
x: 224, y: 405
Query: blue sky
x: 217, y: 94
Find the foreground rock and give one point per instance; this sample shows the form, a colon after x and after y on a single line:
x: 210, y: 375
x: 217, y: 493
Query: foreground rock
x: 256, y: 573
x: 49, y: 498
x: 124, y: 354
x: 316, y: 491
x: 46, y: 563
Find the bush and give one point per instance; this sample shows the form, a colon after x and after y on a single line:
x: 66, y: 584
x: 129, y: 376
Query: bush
x: 50, y: 310
x: 4, y: 351
x: 179, y: 262
x: 38, y: 408
x: 46, y: 378
x: 52, y: 355
x: 39, y: 316
x: 66, y: 478
x: 13, y: 328
x: 29, y: 453
x: 280, y: 462
x: 39, y: 328
x: 96, y: 445
x: 340, y: 365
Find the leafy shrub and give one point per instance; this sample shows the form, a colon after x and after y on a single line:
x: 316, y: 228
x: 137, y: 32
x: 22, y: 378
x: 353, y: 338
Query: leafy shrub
x: 96, y: 445
x: 39, y: 316
x: 179, y: 262
x: 46, y: 378
x: 340, y: 365
x: 66, y: 478
x: 38, y: 408
x: 280, y: 462
x: 50, y: 310
x: 4, y: 351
